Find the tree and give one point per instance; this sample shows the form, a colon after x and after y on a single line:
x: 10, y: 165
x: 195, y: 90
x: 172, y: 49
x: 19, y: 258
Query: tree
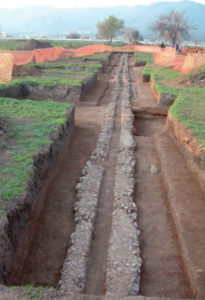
x: 110, y: 27
x: 73, y: 36
x: 132, y: 35
x: 173, y: 27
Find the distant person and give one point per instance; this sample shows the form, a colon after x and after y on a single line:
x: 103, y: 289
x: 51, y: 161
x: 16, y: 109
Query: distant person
x: 177, y: 47
x: 162, y: 46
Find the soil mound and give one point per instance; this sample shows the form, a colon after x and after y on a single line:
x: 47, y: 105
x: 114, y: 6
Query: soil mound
x: 34, y: 44
x: 188, y: 50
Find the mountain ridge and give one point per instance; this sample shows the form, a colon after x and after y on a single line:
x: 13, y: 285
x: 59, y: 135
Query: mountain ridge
x: 45, y: 20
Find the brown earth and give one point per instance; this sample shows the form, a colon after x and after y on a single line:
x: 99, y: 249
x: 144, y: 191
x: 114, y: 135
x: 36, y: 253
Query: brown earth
x: 34, y: 44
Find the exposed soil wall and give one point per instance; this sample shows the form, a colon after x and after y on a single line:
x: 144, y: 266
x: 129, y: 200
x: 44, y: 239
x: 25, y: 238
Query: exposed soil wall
x: 87, y: 85
x: 39, y: 92
x: 23, y: 211
x: 162, y: 99
x: 190, y: 147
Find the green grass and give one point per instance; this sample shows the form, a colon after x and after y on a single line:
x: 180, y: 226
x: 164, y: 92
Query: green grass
x: 197, y: 74
x: 43, y: 81
x: 104, y: 56
x: 158, y: 73
x: 79, y: 44
x: 33, y: 122
x: 11, y: 44
x: 70, y: 44
x: 68, y: 65
x: 29, y: 291
x: 188, y: 108
x: 143, y: 56
x: 87, y: 73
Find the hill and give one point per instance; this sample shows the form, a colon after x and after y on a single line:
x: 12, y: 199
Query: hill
x: 47, y: 20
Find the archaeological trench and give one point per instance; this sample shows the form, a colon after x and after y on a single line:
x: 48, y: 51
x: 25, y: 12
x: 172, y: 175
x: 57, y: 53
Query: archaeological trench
x: 115, y: 206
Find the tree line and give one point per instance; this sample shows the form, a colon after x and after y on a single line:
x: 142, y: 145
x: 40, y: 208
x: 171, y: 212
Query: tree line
x: 172, y: 27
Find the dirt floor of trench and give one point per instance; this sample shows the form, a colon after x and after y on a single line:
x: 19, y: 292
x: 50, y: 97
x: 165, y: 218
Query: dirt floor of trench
x: 163, y: 270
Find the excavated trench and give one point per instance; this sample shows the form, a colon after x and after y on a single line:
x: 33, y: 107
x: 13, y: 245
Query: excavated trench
x: 163, y: 271
x: 116, y: 232
x: 39, y: 260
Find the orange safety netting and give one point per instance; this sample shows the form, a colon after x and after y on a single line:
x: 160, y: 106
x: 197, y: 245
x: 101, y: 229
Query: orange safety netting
x: 47, y: 54
x: 182, y: 63
x: 193, y: 61
x: 6, y: 66
x: 166, y: 57
x: 179, y: 61
x: 90, y: 49
x: 148, y: 49
x: 23, y: 57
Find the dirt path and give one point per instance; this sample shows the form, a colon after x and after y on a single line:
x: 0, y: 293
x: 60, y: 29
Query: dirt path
x: 144, y: 94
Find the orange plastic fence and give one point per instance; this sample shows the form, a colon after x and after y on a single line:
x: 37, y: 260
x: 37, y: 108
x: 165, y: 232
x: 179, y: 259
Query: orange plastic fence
x: 47, y: 54
x: 6, y: 66
x: 182, y: 63
x: 149, y: 49
x: 167, y: 57
x: 179, y: 62
x: 90, y: 49
x: 193, y: 61
x: 23, y: 57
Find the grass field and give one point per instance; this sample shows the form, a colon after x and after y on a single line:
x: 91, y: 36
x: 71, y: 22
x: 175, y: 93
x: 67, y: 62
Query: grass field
x: 189, y: 109
x: 13, y: 44
x: 30, y: 125
x: 69, y: 64
x: 44, y: 81
x: 157, y: 72
x: 86, y: 73
x: 104, y: 56
x: 143, y: 56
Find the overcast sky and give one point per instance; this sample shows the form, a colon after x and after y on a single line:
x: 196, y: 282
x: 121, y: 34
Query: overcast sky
x: 79, y: 3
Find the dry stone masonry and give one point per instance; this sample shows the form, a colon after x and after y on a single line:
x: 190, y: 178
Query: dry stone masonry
x: 124, y: 254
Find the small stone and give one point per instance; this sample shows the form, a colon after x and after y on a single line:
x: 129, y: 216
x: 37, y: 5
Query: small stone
x: 154, y: 170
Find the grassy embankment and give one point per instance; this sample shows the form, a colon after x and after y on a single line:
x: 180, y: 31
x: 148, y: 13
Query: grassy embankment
x: 29, y: 128
x: 189, y: 106
x: 29, y: 124
x: 66, y: 74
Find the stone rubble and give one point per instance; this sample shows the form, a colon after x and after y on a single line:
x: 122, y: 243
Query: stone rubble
x: 124, y: 262
x: 102, y: 147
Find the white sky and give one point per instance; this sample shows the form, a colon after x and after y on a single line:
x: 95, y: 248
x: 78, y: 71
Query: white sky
x: 79, y: 3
